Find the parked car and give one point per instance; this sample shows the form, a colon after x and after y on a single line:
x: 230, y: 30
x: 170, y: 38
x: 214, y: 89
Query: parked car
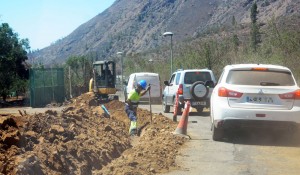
x: 195, y: 85
x: 255, y: 95
x: 151, y: 78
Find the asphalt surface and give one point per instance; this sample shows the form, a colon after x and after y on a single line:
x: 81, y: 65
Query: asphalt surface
x: 244, y: 152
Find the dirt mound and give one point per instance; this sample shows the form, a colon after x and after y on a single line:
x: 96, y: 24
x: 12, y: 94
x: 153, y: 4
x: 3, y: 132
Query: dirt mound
x: 82, y: 140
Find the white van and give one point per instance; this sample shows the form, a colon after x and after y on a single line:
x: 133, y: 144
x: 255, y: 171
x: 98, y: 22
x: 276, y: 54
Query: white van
x: 151, y: 78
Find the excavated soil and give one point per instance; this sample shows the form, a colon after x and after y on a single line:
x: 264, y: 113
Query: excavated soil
x: 82, y: 139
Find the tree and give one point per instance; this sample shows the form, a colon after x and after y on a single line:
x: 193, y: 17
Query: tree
x: 12, y: 57
x: 235, y: 38
x: 81, y: 72
x: 255, y: 34
x: 208, y: 55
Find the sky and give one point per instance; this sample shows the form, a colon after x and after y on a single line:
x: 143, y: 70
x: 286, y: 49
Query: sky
x: 43, y: 22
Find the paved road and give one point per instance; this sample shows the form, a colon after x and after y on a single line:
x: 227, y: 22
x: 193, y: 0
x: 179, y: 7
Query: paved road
x: 245, y: 153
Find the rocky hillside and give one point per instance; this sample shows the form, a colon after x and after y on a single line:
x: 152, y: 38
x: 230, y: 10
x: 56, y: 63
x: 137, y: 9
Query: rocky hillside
x: 136, y: 26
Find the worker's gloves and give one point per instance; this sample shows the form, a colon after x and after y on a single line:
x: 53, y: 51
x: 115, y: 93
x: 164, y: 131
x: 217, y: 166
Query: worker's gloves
x: 148, y: 88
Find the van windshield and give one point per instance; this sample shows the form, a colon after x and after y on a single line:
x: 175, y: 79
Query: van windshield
x: 153, y: 80
x: 192, y: 77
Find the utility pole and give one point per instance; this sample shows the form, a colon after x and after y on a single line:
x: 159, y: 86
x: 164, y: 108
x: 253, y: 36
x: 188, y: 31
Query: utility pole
x: 121, y: 53
x: 171, y: 35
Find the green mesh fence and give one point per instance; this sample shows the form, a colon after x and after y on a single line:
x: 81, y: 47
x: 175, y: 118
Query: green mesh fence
x: 46, y: 86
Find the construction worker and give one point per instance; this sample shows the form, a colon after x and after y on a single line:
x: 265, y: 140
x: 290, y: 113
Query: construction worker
x: 132, y: 102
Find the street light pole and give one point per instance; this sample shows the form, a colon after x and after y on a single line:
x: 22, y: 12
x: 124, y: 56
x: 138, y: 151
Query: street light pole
x: 151, y: 63
x: 121, y: 53
x: 171, y: 35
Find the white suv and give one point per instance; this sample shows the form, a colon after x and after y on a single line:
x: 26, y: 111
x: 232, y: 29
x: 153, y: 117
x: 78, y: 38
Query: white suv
x: 195, y: 85
x: 256, y: 96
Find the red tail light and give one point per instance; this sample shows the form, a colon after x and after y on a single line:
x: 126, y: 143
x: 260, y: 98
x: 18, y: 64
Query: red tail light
x: 223, y: 92
x: 180, y: 89
x: 291, y: 95
x: 297, y: 94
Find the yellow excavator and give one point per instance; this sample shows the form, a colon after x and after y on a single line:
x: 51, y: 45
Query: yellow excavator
x: 103, y: 83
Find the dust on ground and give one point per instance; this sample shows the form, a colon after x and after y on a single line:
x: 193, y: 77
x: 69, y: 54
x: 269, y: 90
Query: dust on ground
x: 83, y: 140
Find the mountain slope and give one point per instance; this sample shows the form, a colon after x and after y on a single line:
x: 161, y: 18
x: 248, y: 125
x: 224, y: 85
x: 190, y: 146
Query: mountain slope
x: 135, y: 26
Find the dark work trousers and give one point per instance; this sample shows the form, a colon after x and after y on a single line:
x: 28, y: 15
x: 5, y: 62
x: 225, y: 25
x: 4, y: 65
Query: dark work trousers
x: 131, y: 112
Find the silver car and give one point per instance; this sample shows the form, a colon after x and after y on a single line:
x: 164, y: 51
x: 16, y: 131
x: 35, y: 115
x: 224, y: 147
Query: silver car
x: 195, y: 85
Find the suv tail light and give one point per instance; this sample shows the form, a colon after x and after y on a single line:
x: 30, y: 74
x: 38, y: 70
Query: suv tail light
x: 180, y: 89
x: 297, y: 94
x: 223, y: 92
x: 291, y: 95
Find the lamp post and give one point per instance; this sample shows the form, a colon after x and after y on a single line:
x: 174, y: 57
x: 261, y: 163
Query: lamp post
x: 170, y: 34
x: 121, y: 53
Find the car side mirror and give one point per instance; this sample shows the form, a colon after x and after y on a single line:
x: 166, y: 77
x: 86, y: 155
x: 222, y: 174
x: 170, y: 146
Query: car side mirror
x: 210, y: 84
x: 166, y: 83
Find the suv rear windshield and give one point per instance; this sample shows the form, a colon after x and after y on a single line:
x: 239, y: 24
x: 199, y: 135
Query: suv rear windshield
x: 260, y: 78
x: 192, y: 77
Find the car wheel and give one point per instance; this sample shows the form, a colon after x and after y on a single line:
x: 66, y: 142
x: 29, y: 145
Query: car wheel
x: 166, y: 108
x: 217, y: 133
x: 199, y: 90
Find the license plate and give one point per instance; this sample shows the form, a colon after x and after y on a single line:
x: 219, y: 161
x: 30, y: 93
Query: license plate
x: 195, y: 103
x: 260, y: 100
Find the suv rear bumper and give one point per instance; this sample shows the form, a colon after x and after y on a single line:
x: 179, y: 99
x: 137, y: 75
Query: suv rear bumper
x: 224, y: 112
x: 262, y: 124
x: 194, y: 103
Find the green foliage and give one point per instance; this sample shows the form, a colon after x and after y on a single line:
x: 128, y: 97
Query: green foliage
x: 254, y: 13
x: 135, y: 63
x: 255, y: 34
x: 80, y: 65
x: 280, y: 46
x: 78, y: 72
x: 19, y: 85
x: 235, y: 43
x: 233, y: 21
x: 12, y: 56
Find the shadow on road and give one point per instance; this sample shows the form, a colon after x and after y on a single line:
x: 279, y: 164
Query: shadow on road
x: 263, y: 137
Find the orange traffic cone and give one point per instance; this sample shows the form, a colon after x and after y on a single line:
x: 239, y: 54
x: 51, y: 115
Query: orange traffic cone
x: 176, y: 107
x: 182, y: 125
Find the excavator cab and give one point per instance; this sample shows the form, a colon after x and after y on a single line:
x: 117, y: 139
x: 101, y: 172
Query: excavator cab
x: 103, y: 83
